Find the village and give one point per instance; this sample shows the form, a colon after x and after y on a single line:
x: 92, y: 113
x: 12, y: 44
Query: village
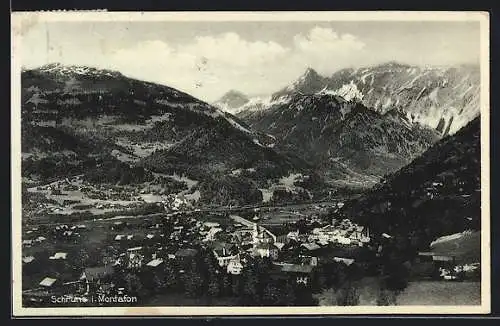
x: 189, y: 251
x: 170, y: 242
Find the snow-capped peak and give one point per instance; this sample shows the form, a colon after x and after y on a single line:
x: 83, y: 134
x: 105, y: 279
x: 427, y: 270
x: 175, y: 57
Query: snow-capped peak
x: 61, y: 69
x: 309, y: 76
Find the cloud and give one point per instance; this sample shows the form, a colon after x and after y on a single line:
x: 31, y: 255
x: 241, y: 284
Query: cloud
x: 209, y: 66
x: 325, y: 39
x: 205, y: 67
x: 231, y: 49
x: 326, y: 50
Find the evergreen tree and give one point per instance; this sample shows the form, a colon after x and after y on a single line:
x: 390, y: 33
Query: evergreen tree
x: 213, y: 287
x: 236, y: 285
x: 288, y: 296
x: 347, y: 296
x: 270, y: 295
x: 170, y: 278
x: 133, y: 283
x: 159, y: 283
x: 385, y: 298
x: 226, y: 284
x: 192, y: 280
x: 250, y: 286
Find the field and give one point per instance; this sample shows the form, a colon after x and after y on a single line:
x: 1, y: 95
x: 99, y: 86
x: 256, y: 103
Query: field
x: 441, y: 293
x: 438, y: 293
x: 180, y: 300
x: 466, y: 247
x: 96, y: 240
x: 367, y: 288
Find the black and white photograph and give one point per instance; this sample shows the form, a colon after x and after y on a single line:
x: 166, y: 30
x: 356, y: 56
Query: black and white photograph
x: 250, y: 163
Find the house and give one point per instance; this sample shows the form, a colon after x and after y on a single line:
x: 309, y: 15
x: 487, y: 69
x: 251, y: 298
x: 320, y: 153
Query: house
x: 235, y: 267
x: 185, y: 254
x: 155, y: 262
x: 135, y: 257
x: 310, y: 246
x: 279, y: 245
x: 134, y: 249
x: 307, y: 260
x: 346, y: 261
x: 118, y: 225
x: 283, y: 238
x: 68, y: 234
x: 96, y: 277
x: 28, y: 259
x: 262, y: 235
x: 360, y: 234
x: 323, y: 243
x: 443, y: 258
x: 301, y: 273
x: 266, y: 250
x: 294, y: 235
x: 224, y: 253
x: 426, y: 256
x: 211, y: 224
x: 243, y: 236
x: 48, y: 282
x: 119, y: 237
x: 211, y: 233
x: 27, y: 243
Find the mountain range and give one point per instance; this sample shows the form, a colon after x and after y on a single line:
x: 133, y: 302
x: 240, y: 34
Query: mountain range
x: 360, y: 124
x: 444, y: 98
x: 346, y: 140
x: 437, y: 194
x: 80, y: 119
x: 329, y: 129
x: 232, y: 100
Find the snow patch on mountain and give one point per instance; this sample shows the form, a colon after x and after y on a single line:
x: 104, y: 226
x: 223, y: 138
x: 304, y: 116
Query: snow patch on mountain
x: 363, y: 78
x: 257, y: 104
x: 349, y: 92
x: 63, y: 70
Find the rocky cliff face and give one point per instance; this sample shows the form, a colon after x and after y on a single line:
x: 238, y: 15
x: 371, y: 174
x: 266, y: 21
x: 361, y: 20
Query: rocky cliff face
x: 344, y: 139
x: 442, y: 98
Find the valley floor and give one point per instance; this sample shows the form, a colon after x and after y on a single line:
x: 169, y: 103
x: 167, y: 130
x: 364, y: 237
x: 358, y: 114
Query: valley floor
x: 441, y: 293
x: 417, y: 293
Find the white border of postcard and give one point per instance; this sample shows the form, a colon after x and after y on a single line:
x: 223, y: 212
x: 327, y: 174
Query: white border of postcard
x: 23, y: 20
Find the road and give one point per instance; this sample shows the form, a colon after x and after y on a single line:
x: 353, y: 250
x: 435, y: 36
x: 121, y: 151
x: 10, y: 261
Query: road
x: 220, y: 209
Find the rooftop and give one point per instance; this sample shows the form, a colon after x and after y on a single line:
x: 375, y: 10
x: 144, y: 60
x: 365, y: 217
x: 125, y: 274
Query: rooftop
x: 310, y: 246
x: 59, y: 255
x: 266, y: 246
x: 186, y: 252
x: 347, y: 261
x: 94, y: 273
x: 155, y: 262
x: 28, y: 259
x: 48, y: 281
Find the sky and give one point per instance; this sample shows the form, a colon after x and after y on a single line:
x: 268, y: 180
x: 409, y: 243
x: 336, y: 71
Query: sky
x: 207, y: 59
